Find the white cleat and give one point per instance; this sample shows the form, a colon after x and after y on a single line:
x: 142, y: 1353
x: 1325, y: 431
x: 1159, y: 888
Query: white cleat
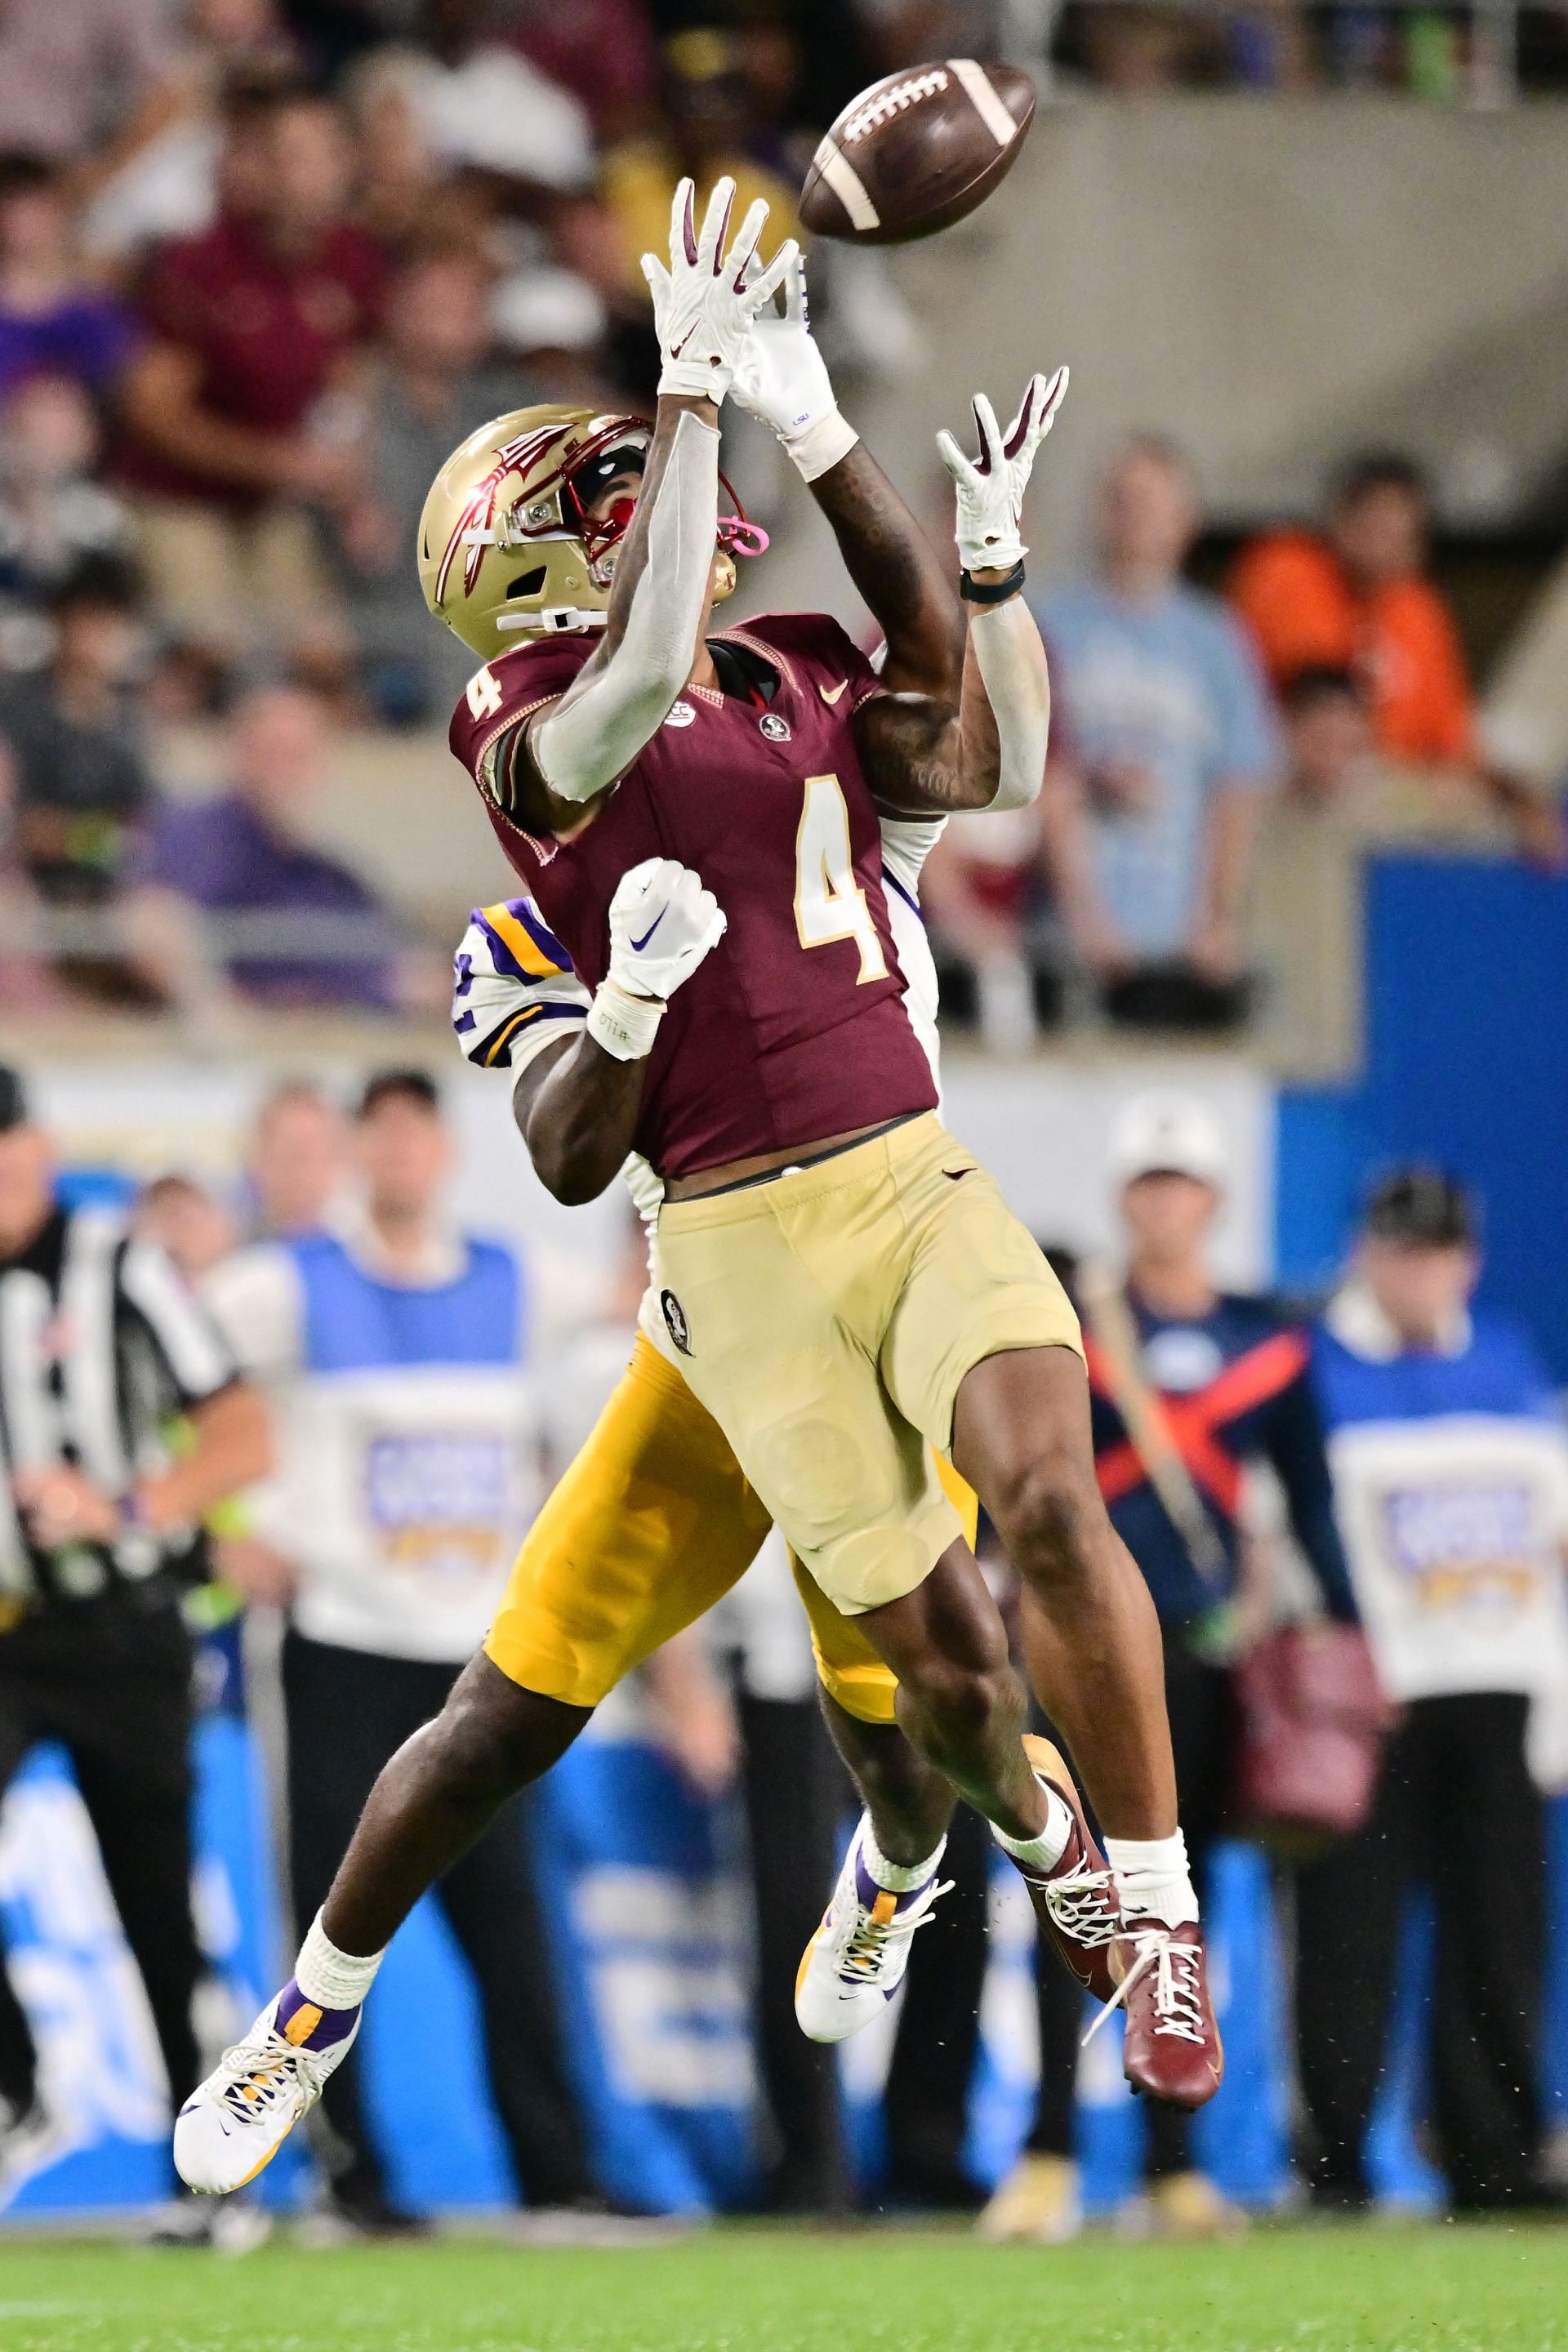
x: 855, y: 1962
x: 234, y: 2124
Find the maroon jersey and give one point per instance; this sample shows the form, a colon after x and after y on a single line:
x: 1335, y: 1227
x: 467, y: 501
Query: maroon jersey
x: 794, y: 1028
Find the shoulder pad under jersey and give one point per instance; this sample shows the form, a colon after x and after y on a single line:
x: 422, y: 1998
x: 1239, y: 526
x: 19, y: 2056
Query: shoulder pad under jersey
x: 502, y: 693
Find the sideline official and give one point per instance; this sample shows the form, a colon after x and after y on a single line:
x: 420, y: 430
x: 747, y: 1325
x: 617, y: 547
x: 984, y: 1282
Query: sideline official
x: 395, y: 1352
x: 1450, y: 1465
x: 101, y: 1351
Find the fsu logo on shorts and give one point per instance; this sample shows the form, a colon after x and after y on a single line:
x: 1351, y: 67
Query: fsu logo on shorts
x: 681, y: 714
x: 776, y: 729
x: 675, y: 1322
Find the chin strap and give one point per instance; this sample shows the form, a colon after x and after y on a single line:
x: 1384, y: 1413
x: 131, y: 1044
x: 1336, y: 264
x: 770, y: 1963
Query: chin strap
x: 559, y: 621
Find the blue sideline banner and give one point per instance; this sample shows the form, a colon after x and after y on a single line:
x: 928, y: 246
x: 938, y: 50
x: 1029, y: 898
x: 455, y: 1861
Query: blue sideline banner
x: 654, y: 1974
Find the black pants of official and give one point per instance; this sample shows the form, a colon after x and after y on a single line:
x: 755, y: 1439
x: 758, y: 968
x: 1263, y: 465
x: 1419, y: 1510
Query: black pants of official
x: 794, y: 1798
x: 116, y: 1693
x: 1200, y: 1701
x: 798, y: 1799
x: 348, y: 1713
x: 926, y: 2103
x: 1456, y: 1808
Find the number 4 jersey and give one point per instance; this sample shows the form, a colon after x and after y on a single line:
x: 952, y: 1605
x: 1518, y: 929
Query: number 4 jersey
x: 795, y: 1027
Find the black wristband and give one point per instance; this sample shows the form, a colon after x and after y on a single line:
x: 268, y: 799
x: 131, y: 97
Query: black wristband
x: 993, y: 592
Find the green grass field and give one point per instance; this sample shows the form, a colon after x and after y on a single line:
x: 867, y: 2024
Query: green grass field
x: 1497, y: 2289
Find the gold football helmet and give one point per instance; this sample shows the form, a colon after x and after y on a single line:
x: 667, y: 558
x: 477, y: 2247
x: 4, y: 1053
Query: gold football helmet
x: 509, y: 545
x: 508, y: 548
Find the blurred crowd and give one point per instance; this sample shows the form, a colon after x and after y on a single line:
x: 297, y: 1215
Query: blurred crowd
x: 1353, y: 1517
x: 264, y: 262
x: 1444, y: 55
x: 1328, y: 681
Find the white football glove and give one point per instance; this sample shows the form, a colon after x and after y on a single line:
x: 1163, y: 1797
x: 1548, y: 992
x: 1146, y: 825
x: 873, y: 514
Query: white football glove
x: 703, y: 304
x: 783, y: 378
x: 662, y: 923
x: 991, y: 489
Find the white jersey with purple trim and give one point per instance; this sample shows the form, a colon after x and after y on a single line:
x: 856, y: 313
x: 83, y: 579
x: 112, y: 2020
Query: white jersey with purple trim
x: 514, y: 993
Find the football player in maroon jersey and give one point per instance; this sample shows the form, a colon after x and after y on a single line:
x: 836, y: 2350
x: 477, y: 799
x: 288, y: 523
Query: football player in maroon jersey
x: 697, y: 819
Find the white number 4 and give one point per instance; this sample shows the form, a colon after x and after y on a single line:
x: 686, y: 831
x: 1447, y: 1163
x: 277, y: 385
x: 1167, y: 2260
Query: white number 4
x: 484, y: 693
x: 829, y: 903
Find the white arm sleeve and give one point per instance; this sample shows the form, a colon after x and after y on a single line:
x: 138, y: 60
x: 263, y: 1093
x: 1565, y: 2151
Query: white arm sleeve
x: 1012, y: 661
x: 603, y: 719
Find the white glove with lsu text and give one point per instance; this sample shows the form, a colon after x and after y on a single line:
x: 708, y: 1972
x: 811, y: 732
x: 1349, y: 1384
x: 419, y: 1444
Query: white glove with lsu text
x: 662, y: 923
x: 781, y: 378
x: 704, y: 303
x: 989, y: 528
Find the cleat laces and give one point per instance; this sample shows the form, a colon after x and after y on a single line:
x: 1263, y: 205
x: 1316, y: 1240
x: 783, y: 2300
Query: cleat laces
x: 262, y: 2077
x: 1178, y: 1986
x: 1083, y: 1904
x: 874, y: 1941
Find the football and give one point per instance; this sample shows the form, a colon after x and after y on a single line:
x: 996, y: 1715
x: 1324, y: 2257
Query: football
x: 916, y: 151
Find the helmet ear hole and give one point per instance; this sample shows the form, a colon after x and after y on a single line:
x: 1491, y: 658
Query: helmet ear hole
x: 528, y: 584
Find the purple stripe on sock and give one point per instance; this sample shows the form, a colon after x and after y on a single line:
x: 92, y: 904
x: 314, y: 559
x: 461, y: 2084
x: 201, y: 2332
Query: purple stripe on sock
x: 331, y: 2026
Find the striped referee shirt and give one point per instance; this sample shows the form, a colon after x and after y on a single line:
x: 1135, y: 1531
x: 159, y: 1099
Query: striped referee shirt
x: 102, y: 1348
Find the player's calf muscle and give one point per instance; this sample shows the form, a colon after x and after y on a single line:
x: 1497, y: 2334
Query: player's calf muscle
x: 1092, y: 1641
x: 438, y: 1793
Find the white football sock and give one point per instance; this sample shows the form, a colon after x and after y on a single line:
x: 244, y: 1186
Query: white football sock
x: 1152, y: 1878
x: 1044, y: 1851
x: 333, y: 1980
x: 895, y: 1877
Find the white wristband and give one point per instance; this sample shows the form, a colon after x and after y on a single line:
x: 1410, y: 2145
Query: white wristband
x: 625, y: 1025
x: 822, y: 444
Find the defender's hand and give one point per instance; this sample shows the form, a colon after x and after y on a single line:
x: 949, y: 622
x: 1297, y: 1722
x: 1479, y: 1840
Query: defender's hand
x: 703, y: 304
x: 783, y: 378
x: 662, y: 924
x: 991, y: 488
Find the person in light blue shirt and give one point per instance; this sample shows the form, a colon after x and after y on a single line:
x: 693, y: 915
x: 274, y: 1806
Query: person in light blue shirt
x: 1173, y: 745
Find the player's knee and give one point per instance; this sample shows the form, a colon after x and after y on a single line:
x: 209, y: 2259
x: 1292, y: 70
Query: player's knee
x: 1048, y: 1512
x: 962, y: 1696
x: 483, y: 1746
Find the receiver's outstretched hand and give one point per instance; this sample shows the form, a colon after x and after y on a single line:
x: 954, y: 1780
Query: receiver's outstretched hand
x: 781, y: 378
x: 991, y: 488
x: 703, y: 303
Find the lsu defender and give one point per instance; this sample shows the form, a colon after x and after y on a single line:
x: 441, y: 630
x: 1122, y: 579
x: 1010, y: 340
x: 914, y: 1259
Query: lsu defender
x: 841, y: 1282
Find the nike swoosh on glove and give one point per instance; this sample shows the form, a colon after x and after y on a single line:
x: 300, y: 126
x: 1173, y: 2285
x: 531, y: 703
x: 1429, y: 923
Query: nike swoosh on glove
x: 662, y: 923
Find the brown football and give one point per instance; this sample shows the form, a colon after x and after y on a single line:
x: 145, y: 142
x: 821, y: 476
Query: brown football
x: 916, y: 151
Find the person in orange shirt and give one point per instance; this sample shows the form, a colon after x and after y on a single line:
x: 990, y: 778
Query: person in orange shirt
x: 1356, y: 597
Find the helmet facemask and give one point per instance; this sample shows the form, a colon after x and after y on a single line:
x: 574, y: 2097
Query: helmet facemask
x: 510, y: 543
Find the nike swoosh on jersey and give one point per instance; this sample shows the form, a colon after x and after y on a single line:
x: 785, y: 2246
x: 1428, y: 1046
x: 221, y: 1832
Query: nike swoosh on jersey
x: 638, y: 945
x: 831, y: 693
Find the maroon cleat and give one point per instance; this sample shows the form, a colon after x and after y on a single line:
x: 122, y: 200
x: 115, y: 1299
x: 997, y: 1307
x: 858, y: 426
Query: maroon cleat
x: 1075, y: 1903
x: 1172, y: 2050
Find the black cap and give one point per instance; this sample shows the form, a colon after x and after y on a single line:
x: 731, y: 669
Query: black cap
x: 13, y: 1101
x: 1422, y: 1207
x: 399, y: 1085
